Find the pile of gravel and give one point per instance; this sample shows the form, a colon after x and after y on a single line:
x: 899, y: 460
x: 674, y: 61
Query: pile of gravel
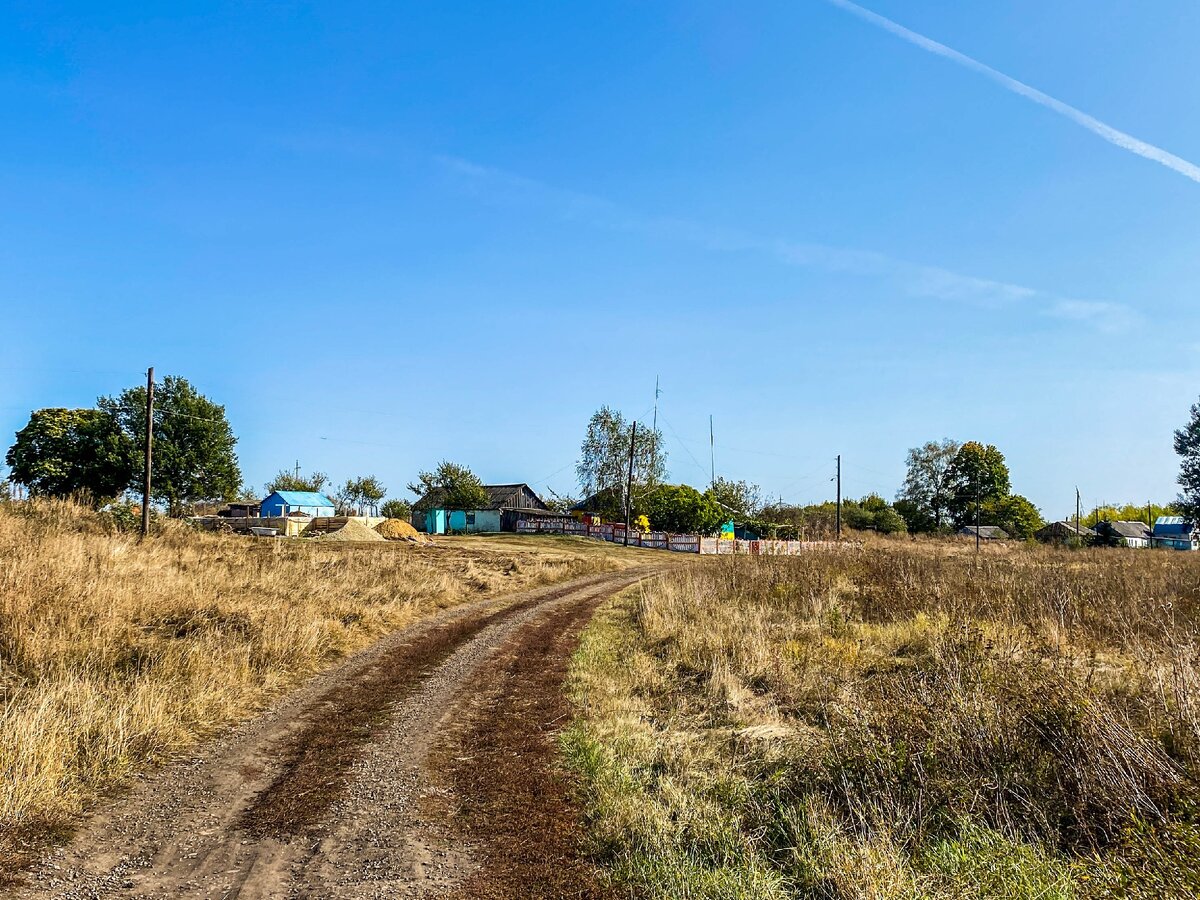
x: 399, y: 530
x: 353, y: 530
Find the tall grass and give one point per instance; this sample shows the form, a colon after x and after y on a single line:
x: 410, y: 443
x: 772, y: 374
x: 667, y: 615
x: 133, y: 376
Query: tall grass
x: 115, y: 653
x: 899, y: 721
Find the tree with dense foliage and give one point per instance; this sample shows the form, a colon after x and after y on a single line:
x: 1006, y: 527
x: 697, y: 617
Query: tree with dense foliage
x: 396, y: 509
x: 978, y: 474
x: 64, y: 452
x: 560, y: 503
x: 296, y: 481
x: 680, y: 509
x: 194, y: 460
x: 876, y: 513
x: 924, y: 501
x: 453, y: 487
x: 1015, y: 514
x: 739, y: 499
x: 1187, y: 445
x: 604, y: 454
x: 359, y: 495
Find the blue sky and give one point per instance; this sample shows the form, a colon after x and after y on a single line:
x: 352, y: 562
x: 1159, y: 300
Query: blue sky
x: 386, y: 234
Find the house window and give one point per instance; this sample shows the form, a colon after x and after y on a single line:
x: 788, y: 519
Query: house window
x: 470, y: 518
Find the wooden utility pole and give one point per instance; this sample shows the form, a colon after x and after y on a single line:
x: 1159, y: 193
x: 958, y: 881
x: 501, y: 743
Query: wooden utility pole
x: 629, y: 484
x: 838, y: 519
x: 977, y: 521
x: 149, y: 448
x: 712, y: 455
x: 1078, y: 533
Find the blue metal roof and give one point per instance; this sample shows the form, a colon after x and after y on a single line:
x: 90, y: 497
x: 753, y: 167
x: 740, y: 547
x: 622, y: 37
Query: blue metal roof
x: 301, y: 498
x: 1165, y: 525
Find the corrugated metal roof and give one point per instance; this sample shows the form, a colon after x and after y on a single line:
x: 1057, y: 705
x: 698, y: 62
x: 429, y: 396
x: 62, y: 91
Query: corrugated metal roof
x: 301, y: 498
x: 499, y: 496
x: 1131, y: 529
x: 988, y: 532
x: 1173, y: 525
x: 1068, y: 525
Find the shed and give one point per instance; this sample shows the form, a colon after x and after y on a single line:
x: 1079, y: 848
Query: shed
x: 986, y: 532
x: 1176, y: 533
x: 506, y: 505
x: 240, y: 510
x: 1063, y: 532
x: 284, y: 503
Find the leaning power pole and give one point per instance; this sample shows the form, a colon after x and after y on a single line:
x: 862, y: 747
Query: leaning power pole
x: 629, y: 484
x: 146, y: 469
x: 1078, y: 535
x: 838, y: 519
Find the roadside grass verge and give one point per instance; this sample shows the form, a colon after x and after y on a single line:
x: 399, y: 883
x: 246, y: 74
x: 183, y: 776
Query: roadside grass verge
x: 890, y: 722
x: 115, y: 654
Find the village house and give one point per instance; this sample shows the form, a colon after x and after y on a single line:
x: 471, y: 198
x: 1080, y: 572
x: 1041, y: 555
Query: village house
x: 1176, y: 533
x: 1064, y: 532
x: 986, y: 532
x: 1127, y: 534
x: 506, y: 505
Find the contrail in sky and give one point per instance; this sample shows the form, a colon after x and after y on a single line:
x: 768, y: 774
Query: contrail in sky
x: 1094, y: 125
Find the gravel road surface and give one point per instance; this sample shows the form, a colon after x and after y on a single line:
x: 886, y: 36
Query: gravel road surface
x: 421, y: 767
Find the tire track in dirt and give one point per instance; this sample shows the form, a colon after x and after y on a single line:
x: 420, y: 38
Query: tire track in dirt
x: 515, y: 804
x: 320, y: 797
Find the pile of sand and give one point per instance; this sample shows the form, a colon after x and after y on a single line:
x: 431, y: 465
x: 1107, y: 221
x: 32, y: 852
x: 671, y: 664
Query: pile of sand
x: 353, y: 530
x: 399, y: 530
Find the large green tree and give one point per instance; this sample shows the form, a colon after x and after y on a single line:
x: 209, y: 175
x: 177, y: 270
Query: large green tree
x: 1187, y: 445
x: 924, y: 501
x: 739, y: 499
x: 978, y: 474
x: 294, y: 480
x: 396, y: 508
x: 680, y: 509
x: 63, y: 452
x: 450, y: 486
x: 1015, y: 514
x: 194, y: 459
x: 604, y: 454
x: 360, y: 494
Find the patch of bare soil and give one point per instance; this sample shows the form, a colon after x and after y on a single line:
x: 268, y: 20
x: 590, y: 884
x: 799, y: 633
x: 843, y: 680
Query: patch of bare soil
x: 323, y: 795
x: 514, y: 799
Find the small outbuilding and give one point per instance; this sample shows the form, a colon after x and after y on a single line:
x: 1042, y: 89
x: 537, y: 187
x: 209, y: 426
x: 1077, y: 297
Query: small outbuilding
x: 986, y: 532
x: 1175, y: 533
x: 1064, y: 532
x: 286, y: 503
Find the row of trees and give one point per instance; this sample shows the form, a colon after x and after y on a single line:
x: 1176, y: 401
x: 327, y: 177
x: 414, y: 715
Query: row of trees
x: 603, y: 471
x: 98, y: 454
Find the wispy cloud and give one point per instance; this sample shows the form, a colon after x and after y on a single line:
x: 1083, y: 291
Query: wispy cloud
x: 912, y: 280
x: 1112, y: 135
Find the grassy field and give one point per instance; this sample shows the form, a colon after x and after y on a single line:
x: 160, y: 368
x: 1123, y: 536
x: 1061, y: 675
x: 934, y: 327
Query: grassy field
x: 115, y: 654
x: 900, y: 720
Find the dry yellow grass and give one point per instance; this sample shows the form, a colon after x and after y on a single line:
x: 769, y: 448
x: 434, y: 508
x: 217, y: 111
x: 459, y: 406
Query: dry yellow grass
x: 899, y: 720
x: 115, y: 653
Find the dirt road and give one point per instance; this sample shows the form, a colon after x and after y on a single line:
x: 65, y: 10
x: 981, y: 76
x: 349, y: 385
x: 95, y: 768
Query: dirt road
x: 422, y: 767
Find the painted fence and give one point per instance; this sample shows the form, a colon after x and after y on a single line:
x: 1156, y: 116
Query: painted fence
x: 678, y: 543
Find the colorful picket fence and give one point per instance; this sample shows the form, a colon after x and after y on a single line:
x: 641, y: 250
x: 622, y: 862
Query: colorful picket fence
x: 677, y: 543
